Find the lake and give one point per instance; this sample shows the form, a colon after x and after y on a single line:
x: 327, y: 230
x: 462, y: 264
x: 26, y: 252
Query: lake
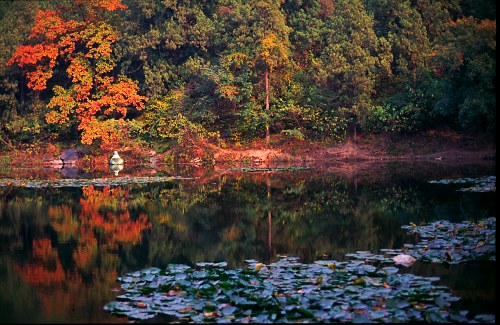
x: 63, y: 246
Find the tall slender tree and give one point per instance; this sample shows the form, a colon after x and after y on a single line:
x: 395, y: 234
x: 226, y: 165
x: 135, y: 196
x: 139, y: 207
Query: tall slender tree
x: 259, y: 44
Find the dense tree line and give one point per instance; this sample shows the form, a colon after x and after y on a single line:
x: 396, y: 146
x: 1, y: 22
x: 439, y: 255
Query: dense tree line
x: 99, y: 71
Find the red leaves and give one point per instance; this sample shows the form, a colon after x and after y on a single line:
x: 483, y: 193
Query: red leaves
x: 42, y: 57
x: 48, y: 24
x: 92, y: 93
x: 37, y: 80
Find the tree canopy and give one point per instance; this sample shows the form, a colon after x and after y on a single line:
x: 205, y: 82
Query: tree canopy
x: 101, y: 72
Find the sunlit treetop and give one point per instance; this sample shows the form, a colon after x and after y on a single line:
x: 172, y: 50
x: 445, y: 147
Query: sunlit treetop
x: 92, y: 93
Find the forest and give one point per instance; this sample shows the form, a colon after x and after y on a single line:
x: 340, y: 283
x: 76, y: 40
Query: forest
x: 164, y: 73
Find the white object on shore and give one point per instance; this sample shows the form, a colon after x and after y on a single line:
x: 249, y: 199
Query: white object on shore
x: 116, y: 159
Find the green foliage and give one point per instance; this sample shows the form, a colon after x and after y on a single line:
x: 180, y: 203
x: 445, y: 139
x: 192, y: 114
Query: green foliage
x: 314, y: 122
x: 390, y: 118
x: 294, y: 133
x: 468, y: 67
x: 18, y: 118
x: 323, y: 65
x: 255, y: 118
x: 163, y: 120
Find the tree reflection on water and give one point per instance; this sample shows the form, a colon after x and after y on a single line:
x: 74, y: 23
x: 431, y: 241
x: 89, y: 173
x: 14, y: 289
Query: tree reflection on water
x: 63, y: 248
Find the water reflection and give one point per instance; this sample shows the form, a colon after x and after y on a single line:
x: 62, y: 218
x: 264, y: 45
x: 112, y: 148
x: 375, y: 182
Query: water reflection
x: 61, y: 249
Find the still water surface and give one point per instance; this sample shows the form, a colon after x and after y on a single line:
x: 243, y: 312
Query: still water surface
x: 61, y: 249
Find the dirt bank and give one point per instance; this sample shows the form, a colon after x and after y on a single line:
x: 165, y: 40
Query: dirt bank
x: 443, y: 148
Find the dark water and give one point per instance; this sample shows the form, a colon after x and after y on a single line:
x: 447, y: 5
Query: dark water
x: 61, y: 249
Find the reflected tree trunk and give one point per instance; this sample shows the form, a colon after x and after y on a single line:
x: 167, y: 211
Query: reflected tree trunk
x: 269, y: 217
x: 266, y: 81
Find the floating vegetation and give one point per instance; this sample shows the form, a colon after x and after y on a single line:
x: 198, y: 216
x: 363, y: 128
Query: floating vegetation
x: 443, y: 242
x: 80, y: 182
x: 447, y: 242
x: 285, y: 291
x: 267, y: 169
x: 367, y: 288
x: 481, y: 184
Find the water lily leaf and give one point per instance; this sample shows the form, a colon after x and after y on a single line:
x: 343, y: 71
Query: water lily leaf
x: 198, y: 274
x: 390, y: 270
x: 304, y: 312
x: 152, y: 270
x: 326, y: 303
x: 228, y: 311
x: 288, y: 293
x: 141, y: 315
x: 441, y: 301
x: 360, y: 318
x: 116, y: 307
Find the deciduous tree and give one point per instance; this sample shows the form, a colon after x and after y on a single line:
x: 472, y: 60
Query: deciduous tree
x: 75, y: 56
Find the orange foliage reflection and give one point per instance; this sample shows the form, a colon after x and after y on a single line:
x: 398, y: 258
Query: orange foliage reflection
x: 46, y: 268
x: 118, y: 226
x: 99, y: 227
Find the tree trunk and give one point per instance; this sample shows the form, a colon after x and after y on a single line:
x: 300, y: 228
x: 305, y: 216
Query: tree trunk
x: 266, y: 81
x: 355, y: 133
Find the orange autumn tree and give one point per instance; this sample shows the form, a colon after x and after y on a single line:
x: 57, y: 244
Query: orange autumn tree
x: 89, y: 93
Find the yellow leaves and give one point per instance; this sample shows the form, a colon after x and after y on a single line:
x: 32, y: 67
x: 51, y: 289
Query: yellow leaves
x: 99, y: 40
x: 108, y: 131
x: 121, y: 95
x: 92, y: 92
x: 234, y: 60
x: 79, y: 71
x: 110, y: 5
x: 65, y: 104
x: 228, y: 91
x: 273, y: 51
x: 103, y: 66
x: 359, y: 281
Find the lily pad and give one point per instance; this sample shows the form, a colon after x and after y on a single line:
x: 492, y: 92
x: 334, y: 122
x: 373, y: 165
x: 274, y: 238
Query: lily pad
x: 289, y: 291
x: 80, y: 182
x: 480, y: 184
x: 453, y: 243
